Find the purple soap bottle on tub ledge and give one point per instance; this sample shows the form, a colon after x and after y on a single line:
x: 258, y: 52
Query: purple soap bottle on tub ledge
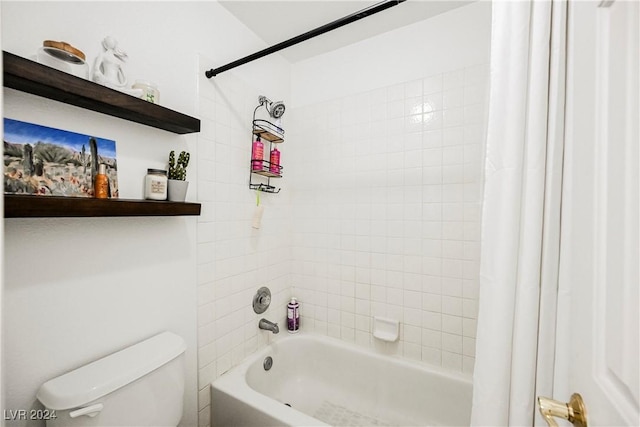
x: 293, y: 316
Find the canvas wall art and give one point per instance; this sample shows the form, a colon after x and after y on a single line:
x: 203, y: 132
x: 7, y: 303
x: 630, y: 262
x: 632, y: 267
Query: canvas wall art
x: 46, y: 161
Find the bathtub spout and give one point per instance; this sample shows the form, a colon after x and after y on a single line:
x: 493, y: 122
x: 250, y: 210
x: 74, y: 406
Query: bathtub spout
x: 268, y: 326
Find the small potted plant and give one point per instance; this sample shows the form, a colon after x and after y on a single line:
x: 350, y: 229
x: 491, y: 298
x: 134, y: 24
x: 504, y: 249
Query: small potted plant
x: 177, y: 188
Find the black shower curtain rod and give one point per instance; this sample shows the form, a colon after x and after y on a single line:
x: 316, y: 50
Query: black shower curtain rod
x: 378, y: 7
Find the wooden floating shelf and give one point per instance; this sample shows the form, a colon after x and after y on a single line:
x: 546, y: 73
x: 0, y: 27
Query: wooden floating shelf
x: 29, y: 206
x: 31, y: 77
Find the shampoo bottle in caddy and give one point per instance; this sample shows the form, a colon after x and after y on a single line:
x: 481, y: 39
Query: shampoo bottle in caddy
x: 293, y: 316
x: 274, y: 161
x: 257, y: 154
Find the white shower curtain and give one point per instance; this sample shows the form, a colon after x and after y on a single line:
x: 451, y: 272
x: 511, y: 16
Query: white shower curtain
x: 521, y: 212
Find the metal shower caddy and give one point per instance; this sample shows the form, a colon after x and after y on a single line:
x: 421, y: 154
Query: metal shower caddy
x: 267, y: 131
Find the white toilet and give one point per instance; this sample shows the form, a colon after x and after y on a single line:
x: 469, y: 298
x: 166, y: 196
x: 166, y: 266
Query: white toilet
x: 142, y: 385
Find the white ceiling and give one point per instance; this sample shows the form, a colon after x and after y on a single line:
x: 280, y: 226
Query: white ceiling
x: 276, y: 21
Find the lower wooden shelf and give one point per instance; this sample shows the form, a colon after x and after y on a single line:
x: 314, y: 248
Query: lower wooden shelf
x: 27, y: 206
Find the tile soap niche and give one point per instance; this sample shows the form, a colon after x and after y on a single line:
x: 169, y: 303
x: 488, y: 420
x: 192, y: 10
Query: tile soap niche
x: 266, y: 135
x: 386, y: 329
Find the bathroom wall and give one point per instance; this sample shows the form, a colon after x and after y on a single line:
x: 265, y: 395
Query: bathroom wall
x: 234, y: 258
x: 386, y: 155
x: 78, y: 289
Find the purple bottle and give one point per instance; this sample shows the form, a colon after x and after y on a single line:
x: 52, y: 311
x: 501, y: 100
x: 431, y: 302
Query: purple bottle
x: 293, y: 316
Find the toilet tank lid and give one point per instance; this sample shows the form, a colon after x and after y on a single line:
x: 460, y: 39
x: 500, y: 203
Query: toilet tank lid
x: 110, y: 373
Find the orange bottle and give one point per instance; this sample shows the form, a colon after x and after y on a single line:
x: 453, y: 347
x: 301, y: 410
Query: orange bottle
x: 101, y: 184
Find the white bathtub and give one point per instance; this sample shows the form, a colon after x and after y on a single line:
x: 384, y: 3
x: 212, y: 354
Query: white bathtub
x: 328, y: 382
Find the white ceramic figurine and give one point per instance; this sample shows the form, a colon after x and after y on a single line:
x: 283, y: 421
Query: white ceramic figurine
x: 108, y: 68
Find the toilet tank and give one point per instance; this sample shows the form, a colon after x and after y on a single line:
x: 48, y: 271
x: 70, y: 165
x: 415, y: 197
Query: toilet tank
x: 142, y: 385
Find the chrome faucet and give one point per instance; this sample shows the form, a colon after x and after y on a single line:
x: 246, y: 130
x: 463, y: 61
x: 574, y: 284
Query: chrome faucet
x: 268, y: 326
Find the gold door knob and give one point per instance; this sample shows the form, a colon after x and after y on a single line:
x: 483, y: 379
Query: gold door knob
x: 574, y: 411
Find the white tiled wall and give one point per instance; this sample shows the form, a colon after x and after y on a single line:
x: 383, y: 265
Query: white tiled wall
x: 386, y: 191
x: 234, y: 259
x: 379, y: 213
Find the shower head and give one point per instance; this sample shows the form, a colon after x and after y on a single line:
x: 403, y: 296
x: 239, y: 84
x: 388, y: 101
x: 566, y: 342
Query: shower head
x: 275, y: 109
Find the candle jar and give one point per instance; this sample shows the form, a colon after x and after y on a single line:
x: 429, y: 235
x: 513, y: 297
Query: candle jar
x: 149, y: 91
x: 155, y: 184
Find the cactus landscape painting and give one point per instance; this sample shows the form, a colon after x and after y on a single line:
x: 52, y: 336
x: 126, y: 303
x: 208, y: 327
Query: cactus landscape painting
x: 46, y: 161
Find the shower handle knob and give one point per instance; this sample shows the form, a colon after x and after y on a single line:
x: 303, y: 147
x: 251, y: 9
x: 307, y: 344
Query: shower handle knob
x: 261, y: 300
x: 574, y: 411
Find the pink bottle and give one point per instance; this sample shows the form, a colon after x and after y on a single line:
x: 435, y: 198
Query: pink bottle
x: 257, y: 154
x: 274, y: 161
